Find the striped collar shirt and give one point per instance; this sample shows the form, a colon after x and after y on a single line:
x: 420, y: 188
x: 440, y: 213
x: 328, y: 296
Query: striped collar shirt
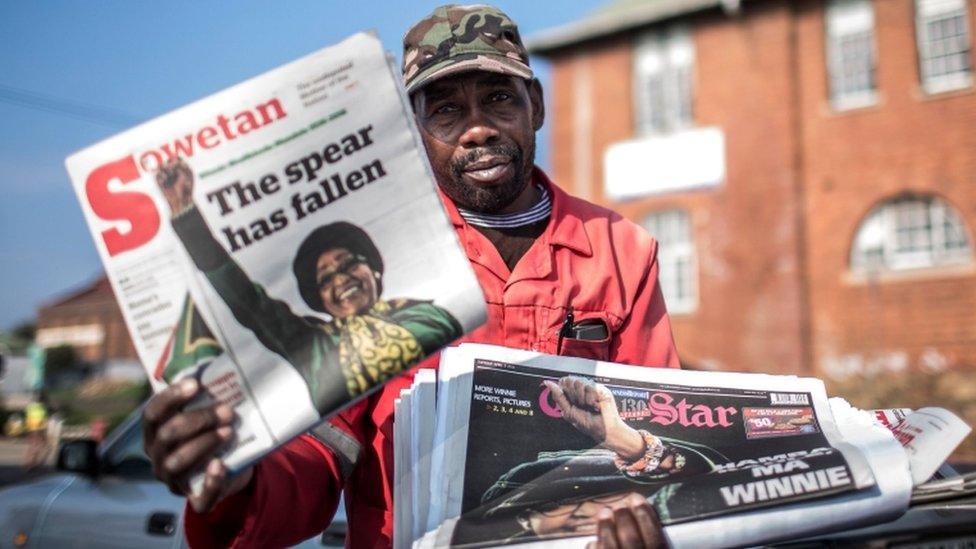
x: 535, y: 214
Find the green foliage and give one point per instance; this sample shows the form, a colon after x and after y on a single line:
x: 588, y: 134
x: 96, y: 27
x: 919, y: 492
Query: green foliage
x: 17, y: 340
x: 99, y: 398
x: 59, y: 359
x: 25, y: 331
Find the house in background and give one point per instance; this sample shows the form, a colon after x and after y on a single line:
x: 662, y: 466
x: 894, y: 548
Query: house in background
x: 808, y: 167
x: 89, y: 320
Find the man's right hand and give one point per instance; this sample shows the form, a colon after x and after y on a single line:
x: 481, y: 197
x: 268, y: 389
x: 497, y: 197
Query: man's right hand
x: 180, y: 443
x: 175, y: 180
x: 635, y: 523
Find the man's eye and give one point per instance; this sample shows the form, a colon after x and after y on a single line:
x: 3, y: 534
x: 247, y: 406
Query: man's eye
x: 445, y: 109
x: 500, y: 96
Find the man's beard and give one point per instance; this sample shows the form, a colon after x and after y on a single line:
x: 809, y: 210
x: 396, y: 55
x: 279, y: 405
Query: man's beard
x: 493, y: 198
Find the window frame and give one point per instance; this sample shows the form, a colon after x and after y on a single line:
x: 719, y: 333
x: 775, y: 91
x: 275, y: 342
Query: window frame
x: 673, y: 50
x: 927, y: 11
x: 893, y: 255
x: 842, y: 20
x: 677, y: 254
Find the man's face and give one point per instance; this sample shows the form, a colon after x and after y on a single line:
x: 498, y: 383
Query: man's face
x: 479, y: 131
x: 347, y: 285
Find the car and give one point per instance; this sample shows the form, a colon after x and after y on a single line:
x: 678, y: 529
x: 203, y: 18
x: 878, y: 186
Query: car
x: 105, y: 496
x: 941, y: 524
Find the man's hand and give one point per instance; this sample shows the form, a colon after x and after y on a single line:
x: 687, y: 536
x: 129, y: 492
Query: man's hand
x: 180, y: 443
x: 590, y: 407
x: 633, y: 524
x: 175, y: 179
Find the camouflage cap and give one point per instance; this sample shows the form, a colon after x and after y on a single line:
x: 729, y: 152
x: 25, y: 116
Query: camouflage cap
x: 456, y: 39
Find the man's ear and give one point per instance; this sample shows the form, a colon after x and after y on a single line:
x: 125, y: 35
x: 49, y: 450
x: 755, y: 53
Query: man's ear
x: 538, y: 104
x: 415, y: 102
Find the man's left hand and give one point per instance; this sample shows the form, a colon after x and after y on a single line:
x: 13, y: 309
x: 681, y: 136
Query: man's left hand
x: 633, y: 524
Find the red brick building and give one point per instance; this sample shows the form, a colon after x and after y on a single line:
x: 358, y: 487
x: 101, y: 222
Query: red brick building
x: 88, y: 319
x: 809, y: 167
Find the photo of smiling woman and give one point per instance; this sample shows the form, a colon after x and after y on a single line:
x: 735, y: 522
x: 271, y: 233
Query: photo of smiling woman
x: 339, y: 270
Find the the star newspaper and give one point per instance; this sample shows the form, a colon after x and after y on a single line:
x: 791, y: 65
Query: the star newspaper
x: 731, y: 459
x: 281, y: 241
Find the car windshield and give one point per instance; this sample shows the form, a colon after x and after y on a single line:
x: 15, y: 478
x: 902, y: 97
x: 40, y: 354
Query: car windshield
x: 123, y: 454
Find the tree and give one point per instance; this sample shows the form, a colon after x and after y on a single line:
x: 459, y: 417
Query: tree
x: 57, y: 361
x: 25, y: 330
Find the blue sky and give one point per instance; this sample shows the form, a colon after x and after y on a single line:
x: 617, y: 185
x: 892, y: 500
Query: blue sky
x: 124, y: 62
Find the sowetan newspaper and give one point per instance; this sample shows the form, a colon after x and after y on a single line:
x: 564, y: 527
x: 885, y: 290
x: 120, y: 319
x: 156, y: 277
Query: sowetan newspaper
x: 282, y: 241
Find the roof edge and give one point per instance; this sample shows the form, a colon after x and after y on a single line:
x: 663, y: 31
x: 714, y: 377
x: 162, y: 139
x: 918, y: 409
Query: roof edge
x: 603, y: 24
x: 79, y: 290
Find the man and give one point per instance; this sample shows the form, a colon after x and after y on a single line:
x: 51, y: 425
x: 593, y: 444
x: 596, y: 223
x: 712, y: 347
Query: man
x: 559, y: 275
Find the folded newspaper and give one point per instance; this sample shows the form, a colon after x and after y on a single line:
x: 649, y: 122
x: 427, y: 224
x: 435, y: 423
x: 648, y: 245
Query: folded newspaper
x: 528, y: 448
x: 281, y: 241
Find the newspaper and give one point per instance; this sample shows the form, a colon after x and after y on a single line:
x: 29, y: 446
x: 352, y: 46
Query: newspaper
x: 282, y: 241
x: 424, y: 401
x: 403, y: 510
x: 523, y: 452
x: 929, y: 436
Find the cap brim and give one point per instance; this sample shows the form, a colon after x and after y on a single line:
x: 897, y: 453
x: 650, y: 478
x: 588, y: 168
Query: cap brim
x: 481, y: 62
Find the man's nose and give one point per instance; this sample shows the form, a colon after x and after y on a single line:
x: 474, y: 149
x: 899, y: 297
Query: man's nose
x: 479, y: 130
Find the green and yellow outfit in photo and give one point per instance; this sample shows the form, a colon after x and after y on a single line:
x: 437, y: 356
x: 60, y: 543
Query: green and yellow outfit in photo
x: 339, y: 359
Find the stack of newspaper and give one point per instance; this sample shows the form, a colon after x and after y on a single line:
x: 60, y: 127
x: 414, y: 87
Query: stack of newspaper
x: 527, y: 448
x: 281, y: 241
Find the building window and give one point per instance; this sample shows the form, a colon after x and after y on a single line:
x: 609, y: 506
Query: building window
x: 944, y: 55
x: 850, y: 53
x: 664, y: 62
x: 910, y: 233
x: 677, y: 267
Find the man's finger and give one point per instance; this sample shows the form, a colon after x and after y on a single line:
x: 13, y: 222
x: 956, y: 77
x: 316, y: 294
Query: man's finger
x: 606, y: 530
x: 169, y: 401
x: 214, y: 482
x: 191, y: 455
x: 162, y: 406
x: 628, y: 532
x: 186, y: 425
x: 648, y: 522
x: 177, y: 487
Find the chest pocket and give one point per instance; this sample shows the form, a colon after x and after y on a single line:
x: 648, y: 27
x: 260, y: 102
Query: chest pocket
x: 587, y: 336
